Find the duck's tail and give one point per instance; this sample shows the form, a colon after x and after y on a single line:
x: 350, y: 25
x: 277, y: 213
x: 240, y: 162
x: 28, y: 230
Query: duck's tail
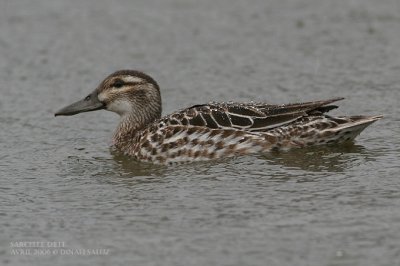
x: 348, y: 128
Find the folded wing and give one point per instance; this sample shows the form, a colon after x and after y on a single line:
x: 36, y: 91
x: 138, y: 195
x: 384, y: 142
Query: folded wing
x: 252, y: 117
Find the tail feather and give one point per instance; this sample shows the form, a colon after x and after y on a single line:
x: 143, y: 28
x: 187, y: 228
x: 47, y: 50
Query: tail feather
x: 350, y: 130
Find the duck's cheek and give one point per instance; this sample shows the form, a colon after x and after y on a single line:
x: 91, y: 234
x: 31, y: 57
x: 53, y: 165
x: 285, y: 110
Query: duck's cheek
x: 120, y: 107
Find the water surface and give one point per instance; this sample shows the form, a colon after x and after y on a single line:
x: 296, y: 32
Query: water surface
x: 59, y: 181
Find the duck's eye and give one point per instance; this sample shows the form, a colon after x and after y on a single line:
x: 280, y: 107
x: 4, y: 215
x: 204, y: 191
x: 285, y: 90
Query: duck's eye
x: 118, y: 83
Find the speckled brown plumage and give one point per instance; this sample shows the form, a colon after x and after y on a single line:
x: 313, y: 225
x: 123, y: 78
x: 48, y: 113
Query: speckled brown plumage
x: 214, y: 130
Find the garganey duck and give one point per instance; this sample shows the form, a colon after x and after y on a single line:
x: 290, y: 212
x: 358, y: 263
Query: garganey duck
x: 210, y: 131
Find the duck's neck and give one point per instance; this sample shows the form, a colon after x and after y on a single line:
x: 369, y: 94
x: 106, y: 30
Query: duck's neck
x: 129, y: 129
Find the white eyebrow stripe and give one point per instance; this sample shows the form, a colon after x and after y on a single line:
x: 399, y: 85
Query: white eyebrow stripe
x: 128, y: 79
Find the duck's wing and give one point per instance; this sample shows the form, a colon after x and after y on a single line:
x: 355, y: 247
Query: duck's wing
x: 252, y: 117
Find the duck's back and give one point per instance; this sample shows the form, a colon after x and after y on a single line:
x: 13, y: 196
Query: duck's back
x: 251, y: 117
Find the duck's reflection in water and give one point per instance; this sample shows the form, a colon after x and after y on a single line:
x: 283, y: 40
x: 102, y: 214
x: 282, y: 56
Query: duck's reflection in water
x: 131, y: 167
x: 338, y: 158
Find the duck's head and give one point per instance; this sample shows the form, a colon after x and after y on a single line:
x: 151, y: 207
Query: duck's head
x: 129, y: 93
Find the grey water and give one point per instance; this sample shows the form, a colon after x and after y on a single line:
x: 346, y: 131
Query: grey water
x: 60, y: 182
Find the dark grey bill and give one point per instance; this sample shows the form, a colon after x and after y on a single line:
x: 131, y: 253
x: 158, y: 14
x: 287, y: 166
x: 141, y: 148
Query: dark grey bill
x: 90, y: 103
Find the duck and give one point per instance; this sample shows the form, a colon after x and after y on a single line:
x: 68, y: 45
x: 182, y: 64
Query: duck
x: 214, y: 130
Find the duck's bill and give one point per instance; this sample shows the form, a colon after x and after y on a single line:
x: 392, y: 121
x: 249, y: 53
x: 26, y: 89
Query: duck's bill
x: 90, y: 103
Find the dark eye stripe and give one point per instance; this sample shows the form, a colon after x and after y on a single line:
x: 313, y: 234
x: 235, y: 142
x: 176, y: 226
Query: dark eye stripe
x: 118, y: 83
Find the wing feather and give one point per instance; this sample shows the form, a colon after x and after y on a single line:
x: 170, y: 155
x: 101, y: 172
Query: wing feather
x: 253, y: 117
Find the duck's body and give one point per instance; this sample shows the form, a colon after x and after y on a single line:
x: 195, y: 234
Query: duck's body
x: 211, y: 131
x: 219, y: 130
